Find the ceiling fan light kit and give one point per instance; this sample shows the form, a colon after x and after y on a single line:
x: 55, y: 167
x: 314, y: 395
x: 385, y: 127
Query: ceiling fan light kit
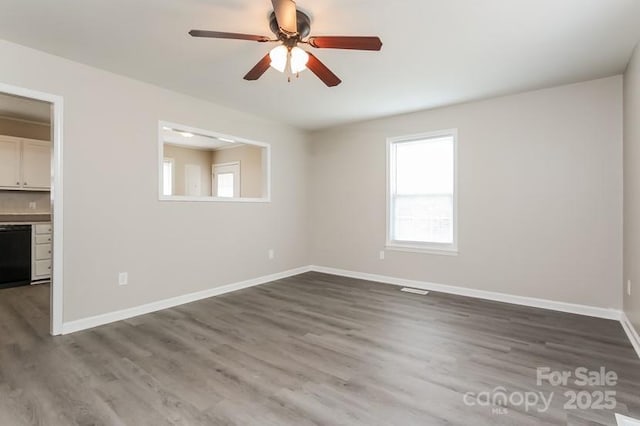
x: 296, y: 58
x: 299, y: 59
x: 279, y: 56
x: 291, y: 26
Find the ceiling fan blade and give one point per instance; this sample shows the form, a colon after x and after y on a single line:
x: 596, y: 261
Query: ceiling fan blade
x: 323, y: 73
x: 345, y: 42
x: 219, y: 34
x: 286, y: 15
x: 260, y: 68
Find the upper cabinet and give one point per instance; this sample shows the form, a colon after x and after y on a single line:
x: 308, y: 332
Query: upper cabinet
x: 36, y: 164
x: 10, y: 154
x: 25, y: 164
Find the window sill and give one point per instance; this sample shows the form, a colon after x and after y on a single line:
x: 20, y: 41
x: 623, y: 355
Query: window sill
x: 212, y: 199
x: 422, y: 249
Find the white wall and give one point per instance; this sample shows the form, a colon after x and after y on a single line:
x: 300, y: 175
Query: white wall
x: 113, y: 220
x: 183, y: 156
x: 540, y: 195
x: 632, y: 188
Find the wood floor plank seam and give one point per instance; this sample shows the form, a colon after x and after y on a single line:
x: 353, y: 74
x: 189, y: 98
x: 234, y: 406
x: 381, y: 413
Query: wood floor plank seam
x: 311, y: 349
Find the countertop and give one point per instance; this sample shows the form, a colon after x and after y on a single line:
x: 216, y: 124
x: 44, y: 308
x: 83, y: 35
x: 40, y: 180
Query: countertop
x: 24, y: 218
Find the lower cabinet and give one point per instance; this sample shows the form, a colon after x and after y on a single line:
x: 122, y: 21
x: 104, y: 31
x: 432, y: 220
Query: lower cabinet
x: 41, y: 252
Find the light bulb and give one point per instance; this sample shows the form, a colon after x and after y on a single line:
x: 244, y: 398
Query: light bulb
x: 299, y: 59
x: 278, y: 57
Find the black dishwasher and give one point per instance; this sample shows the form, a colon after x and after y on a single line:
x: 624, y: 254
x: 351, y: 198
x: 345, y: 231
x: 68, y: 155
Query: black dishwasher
x: 15, y: 255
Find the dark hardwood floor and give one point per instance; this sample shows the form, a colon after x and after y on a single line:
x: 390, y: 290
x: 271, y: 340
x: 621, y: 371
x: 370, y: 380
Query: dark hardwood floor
x: 308, y: 350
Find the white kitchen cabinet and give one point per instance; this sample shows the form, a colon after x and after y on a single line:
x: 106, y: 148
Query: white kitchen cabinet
x: 10, y: 151
x: 43, y: 229
x: 25, y: 164
x: 41, y: 252
x: 36, y: 164
x: 43, y: 239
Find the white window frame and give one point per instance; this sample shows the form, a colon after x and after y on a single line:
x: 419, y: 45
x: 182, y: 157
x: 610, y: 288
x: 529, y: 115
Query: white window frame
x: 266, y: 166
x: 417, y: 246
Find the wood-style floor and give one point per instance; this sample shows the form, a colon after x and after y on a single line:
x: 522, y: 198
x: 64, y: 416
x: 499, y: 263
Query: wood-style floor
x: 308, y: 350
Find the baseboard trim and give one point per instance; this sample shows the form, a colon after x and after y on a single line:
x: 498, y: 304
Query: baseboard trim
x: 572, y: 308
x: 626, y: 421
x: 632, y: 334
x: 94, y: 321
x: 592, y: 311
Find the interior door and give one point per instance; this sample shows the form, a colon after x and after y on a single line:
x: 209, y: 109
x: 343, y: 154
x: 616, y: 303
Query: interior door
x: 193, y: 179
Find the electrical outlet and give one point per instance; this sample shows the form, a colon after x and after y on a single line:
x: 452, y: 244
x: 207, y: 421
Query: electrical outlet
x: 123, y: 278
x: 381, y: 254
x: 271, y: 254
x: 32, y: 205
x: 628, y: 287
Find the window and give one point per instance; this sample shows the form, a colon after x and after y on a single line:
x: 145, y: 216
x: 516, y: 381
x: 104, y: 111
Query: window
x: 226, y: 179
x: 421, y: 211
x: 225, y: 185
x: 202, y: 165
x: 167, y: 176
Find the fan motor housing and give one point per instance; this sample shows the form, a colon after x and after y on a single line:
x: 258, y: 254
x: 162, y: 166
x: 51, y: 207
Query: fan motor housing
x: 304, y: 26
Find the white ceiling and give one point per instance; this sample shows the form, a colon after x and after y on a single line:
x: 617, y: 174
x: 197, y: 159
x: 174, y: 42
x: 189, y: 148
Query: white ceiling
x: 436, y: 52
x: 24, y: 109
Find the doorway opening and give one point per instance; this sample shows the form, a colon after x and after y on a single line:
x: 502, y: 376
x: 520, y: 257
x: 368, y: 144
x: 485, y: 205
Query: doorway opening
x: 31, y: 225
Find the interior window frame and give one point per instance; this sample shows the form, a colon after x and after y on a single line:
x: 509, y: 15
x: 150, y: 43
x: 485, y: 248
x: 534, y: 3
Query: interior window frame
x: 266, y: 165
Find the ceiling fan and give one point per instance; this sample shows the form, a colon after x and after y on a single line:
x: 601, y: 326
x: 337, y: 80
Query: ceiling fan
x: 291, y: 26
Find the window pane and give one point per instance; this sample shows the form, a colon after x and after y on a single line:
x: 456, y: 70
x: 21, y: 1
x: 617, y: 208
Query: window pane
x: 225, y: 185
x: 425, y: 167
x: 424, y: 218
x: 167, y: 178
